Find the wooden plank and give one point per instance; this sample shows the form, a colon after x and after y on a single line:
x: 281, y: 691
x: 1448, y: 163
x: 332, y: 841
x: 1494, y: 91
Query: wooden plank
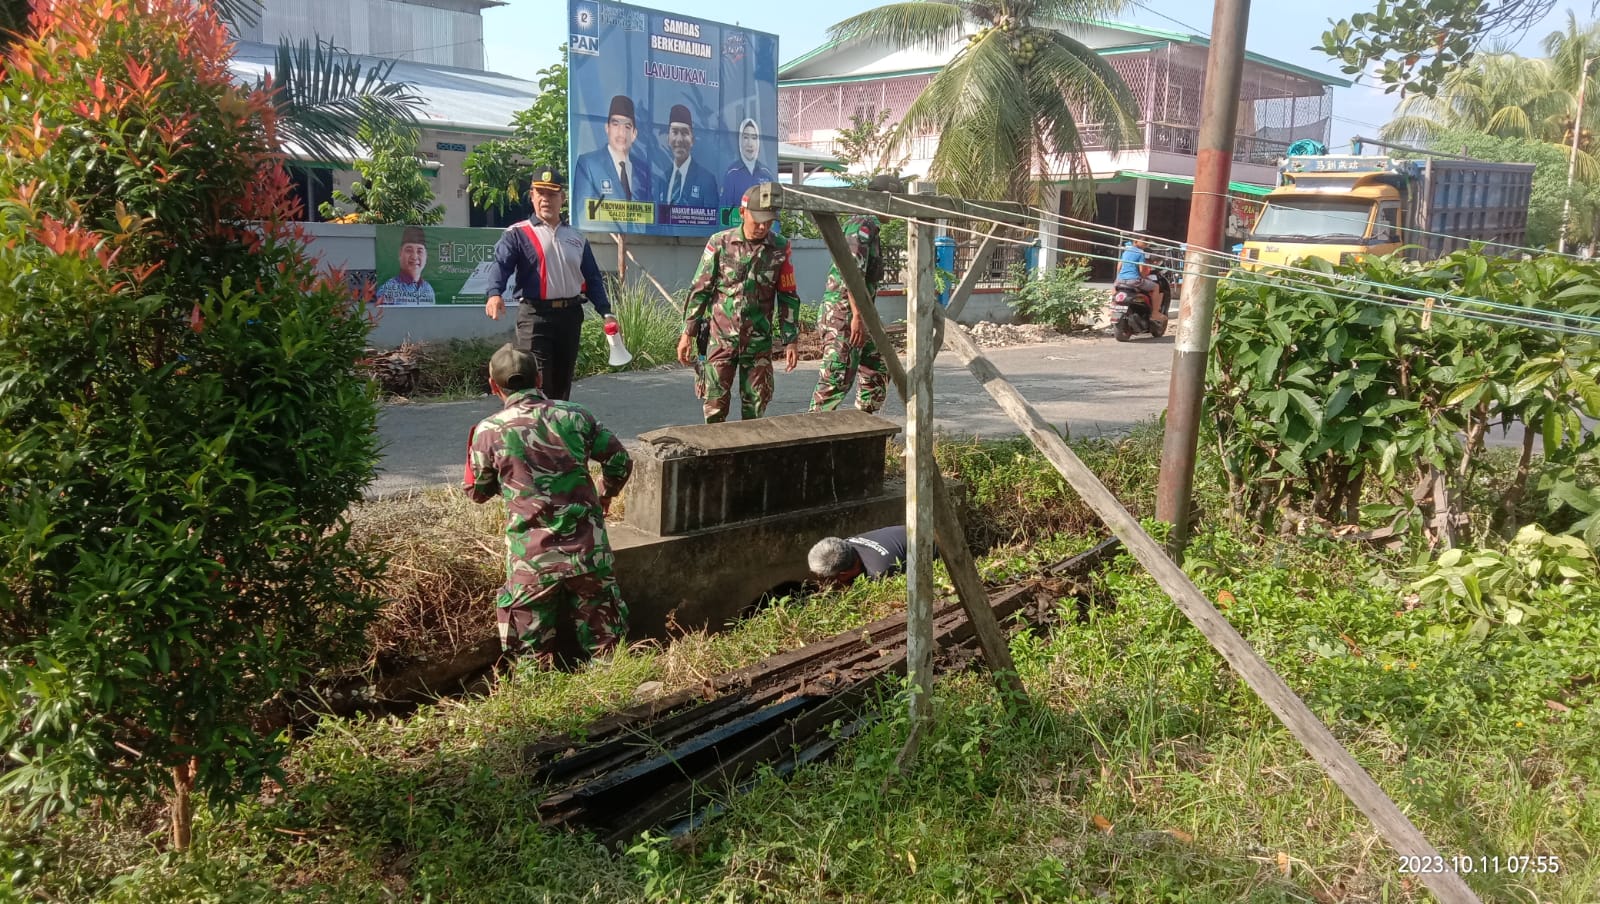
x: 919, y: 472
x: 849, y: 201
x: 952, y: 539
x: 1256, y: 672
x: 969, y: 279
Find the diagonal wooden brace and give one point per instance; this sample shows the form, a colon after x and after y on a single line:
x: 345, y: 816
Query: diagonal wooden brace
x: 952, y: 540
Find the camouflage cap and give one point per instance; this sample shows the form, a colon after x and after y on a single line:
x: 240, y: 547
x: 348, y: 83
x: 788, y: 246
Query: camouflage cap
x: 513, y: 369
x: 886, y: 182
x: 751, y: 204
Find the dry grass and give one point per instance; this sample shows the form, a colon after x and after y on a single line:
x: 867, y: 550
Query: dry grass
x: 446, y: 558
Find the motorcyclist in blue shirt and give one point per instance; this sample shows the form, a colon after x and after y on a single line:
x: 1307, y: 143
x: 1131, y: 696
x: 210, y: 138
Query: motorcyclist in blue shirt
x: 1134, y: 273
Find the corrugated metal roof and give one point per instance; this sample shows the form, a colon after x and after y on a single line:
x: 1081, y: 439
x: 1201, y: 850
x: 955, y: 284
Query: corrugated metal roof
x: 459, y: 99
x: 794, y: 153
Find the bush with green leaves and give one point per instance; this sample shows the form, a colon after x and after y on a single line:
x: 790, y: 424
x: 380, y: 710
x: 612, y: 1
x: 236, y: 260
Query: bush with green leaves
x: 499, y: 172
x: 1349, y: 387
x: 1060, y: 297
x: 1537, y: 579
x: 393, y: 188
x: 182, y: 423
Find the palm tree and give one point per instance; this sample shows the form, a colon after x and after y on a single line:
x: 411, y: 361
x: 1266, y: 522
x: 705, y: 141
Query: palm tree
x: 1497, y: 93
x: 323, y: 94
x: 1012, y: 98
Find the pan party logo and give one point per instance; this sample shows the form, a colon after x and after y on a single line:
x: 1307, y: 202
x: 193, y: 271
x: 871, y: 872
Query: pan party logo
x: 583, y: 18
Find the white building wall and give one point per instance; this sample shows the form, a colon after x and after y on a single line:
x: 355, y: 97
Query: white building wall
x: 352, y: 248
x: 442, y: 32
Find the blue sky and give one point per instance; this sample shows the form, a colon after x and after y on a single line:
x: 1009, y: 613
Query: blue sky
x: 521, y: 38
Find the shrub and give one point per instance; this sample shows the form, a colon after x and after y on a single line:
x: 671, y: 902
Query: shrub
x: 1537, y: 580
x: 395, y: 189
x: 650, y: 327
x: 1329, y: 393
x: 1060, y: 297
x: 182, y: 423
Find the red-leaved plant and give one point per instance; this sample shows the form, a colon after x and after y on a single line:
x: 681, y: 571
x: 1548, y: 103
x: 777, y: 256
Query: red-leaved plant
x: 181, y: 423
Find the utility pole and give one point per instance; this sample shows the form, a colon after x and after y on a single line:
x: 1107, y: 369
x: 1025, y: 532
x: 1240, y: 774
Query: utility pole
x: 1572, y: 158
x: 1208, y: 217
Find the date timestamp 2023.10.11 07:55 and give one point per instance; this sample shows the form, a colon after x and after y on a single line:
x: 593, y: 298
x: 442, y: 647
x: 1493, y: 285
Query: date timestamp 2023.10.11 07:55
x: 1462, y: 863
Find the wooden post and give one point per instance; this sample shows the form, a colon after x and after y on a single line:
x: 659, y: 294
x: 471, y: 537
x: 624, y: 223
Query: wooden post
x: 952, y: 539
x: 921, y: 299
x: 622, y: 255
x: 654, y: 282
x: 1256, y: 672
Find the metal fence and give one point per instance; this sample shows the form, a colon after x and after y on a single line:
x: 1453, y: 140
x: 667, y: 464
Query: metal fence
x: 998, y: 273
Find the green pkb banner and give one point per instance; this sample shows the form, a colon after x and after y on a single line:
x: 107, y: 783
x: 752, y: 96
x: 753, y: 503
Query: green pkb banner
x: 426, y: 265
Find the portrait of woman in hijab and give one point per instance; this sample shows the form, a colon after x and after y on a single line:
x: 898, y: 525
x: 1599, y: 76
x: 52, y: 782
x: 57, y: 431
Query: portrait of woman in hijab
x: 747, y: 170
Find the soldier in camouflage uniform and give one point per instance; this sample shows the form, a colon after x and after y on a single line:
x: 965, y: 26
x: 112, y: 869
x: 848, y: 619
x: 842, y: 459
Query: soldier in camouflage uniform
x: 560, y: 602
x: 744, y: 286
x: 846, y: 350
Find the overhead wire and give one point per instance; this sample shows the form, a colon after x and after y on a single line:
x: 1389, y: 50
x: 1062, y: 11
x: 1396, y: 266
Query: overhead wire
x: 1233, y: 260
x: 1248, y: 278
x: 1528, y: 248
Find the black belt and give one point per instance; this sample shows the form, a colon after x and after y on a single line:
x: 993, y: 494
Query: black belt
x: 554, y: 303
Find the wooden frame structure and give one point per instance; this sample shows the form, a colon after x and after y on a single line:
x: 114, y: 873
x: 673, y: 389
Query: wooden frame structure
x: 929, y: 508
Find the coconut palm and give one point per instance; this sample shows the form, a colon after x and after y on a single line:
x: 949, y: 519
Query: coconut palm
x: 323, y: 94
x: 1015, y: 95
x: 1497, y: 93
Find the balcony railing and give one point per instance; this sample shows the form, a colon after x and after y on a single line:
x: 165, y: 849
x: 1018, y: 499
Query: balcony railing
x: 1185, y: 140
x: 1169, y: 137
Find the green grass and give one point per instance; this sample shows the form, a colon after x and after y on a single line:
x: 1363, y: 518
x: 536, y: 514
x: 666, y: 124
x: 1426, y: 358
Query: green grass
x: 1142, y: 770
x: 650, y: 327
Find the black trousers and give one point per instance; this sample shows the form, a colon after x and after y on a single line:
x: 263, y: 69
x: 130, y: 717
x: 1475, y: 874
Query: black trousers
x: 551, y: 336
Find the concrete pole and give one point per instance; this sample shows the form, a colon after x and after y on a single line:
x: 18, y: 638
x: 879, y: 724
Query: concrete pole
x: 920, y: 471
x: 1208, y: 218
x: 1141, y: 204
x: 1572, y: 158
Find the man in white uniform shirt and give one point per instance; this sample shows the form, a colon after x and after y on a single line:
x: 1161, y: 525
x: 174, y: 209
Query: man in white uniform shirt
x: 556, y: 271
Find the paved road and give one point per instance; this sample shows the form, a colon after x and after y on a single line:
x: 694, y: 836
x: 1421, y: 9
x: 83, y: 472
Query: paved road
x: 1088, y: 381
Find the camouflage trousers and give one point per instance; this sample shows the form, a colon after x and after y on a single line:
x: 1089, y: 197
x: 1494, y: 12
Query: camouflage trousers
x: 840, y: 366
x: 563, y: 623
x: 754, y: 372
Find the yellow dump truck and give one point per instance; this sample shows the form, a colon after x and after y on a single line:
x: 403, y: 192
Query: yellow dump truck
x: 1343, y: 207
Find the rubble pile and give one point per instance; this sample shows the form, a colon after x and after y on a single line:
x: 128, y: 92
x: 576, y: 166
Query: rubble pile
x: 1000, y: 335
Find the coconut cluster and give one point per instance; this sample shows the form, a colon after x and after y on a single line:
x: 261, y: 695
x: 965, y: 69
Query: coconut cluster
x: 1024, y: 41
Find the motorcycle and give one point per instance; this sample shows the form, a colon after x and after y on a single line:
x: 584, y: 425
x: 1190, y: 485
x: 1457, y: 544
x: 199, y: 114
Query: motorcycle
x: 1130, y: 308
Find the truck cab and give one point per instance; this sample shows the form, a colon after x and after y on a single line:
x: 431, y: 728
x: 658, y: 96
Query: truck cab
x: 1345, y: 207
x: 1338, y: 208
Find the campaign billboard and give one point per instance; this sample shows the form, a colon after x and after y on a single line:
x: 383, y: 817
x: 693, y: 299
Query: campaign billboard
x: 670, y: 118
x: 427, y: 265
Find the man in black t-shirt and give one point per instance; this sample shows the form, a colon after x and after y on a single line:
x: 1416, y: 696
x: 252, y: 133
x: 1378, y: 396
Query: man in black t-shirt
x: 877, y: 554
